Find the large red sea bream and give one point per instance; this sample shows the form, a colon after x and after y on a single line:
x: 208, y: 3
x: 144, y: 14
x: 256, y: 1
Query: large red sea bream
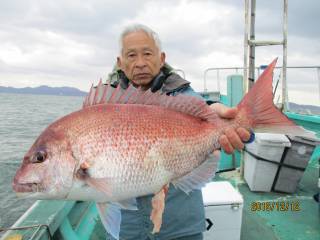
x: 129, y: 143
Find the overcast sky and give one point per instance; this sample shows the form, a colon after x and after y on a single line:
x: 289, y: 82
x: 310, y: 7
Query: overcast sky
x: 74, y: 43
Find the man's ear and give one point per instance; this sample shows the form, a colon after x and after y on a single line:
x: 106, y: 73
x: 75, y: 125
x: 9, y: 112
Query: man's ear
x: 119, y: 63
x: 162, y: 58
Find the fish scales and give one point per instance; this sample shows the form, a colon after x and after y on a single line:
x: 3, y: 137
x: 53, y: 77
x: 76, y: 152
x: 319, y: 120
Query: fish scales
x: 136, y: 146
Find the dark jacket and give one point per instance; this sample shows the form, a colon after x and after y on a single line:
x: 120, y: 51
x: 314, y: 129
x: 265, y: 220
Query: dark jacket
x: 183, y: 214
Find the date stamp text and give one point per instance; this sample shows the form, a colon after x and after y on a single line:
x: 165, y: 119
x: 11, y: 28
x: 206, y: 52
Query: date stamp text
x: 281, y: 206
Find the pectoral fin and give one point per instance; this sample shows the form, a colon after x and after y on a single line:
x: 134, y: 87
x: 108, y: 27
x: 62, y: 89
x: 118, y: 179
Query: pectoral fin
x: 100, y: 184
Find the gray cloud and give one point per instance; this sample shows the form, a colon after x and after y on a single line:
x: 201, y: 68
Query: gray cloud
x: 73, y: 43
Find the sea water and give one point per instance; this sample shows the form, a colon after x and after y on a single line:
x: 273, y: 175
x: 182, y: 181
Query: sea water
x: 22, y: 118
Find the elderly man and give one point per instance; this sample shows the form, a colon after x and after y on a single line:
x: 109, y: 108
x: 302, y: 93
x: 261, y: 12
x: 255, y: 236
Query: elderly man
x: 142, y: 64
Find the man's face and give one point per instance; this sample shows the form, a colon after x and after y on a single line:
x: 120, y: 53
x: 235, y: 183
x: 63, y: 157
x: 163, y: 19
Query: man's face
x: 140, y: 58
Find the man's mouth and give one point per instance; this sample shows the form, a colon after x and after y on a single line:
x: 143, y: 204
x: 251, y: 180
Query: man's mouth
x: 142, y: 75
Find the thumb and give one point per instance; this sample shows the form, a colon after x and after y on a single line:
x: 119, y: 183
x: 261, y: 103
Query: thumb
x: 224, y: 111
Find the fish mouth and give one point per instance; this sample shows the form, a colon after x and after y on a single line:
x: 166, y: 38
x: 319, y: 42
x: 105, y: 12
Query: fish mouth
x: 27, y: 187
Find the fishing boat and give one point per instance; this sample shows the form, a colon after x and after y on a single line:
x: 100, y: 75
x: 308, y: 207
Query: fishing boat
x: 293, y: 215
x: 263, y: 215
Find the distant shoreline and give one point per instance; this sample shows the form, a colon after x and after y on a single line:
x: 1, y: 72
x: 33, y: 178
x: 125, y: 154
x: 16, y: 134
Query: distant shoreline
x: 70, y: 91
x: 44, y: 90
x: 40, y: 94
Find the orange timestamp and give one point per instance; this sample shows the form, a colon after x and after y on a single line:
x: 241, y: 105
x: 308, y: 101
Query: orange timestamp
x: 281, y: 206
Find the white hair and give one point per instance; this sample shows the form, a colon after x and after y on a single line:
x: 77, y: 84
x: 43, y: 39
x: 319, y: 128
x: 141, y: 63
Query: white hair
x: 136, y: 28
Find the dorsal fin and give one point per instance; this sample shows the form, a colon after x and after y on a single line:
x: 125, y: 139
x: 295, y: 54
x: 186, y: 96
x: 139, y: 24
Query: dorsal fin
x: 105, y: 93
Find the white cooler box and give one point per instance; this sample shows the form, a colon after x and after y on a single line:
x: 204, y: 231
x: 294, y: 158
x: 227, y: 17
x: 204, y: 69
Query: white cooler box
x: 275, y: 163
x: 223, y: 210
x: 260, y: 174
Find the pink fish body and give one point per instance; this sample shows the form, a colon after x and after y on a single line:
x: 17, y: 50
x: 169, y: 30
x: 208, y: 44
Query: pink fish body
x: 135, y: 143
x: 133, y: 150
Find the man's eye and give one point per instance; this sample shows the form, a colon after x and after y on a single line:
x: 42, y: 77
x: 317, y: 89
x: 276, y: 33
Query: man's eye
x: 148, y: 54
x: 131, y: 55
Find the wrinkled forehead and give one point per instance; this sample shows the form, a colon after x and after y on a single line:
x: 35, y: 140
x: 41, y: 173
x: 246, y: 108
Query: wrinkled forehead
x: 139, y: 40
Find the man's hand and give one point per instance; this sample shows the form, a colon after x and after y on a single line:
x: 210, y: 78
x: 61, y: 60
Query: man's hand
x: 232, y: 138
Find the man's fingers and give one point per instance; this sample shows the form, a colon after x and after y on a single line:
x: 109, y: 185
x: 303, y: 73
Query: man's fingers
x: 244, y: 134
x: 225, y: 144
x: 223, y: 111
x: 234, y: 139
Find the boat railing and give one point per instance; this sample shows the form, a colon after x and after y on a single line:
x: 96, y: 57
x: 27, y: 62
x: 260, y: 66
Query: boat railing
x: 239, y: 70
x: 55, y: 219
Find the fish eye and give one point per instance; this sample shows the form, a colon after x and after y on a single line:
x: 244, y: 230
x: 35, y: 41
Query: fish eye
x: 40, y: 156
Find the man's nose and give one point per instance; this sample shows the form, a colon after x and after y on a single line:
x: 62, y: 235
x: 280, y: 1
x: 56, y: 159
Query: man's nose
x: 140, y: 63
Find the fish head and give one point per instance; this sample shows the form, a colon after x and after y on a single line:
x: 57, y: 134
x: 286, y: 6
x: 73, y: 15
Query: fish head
x: 48, y: 167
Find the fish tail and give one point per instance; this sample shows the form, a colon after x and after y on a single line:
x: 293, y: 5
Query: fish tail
x: 261, y: 113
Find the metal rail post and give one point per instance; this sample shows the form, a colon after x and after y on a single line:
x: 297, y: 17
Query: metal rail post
x: 284, y: 64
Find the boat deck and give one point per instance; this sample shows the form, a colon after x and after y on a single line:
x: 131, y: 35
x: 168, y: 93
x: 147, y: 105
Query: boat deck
x: 268, y: 216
